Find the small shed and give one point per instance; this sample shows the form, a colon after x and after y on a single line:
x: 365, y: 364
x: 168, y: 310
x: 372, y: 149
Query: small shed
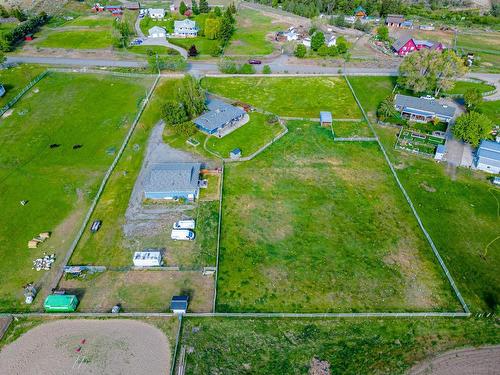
x: 60, y: 303
x: 325, y: 118
x: 440, y: 151
x: 179, y: 304
x: 147, y: 259
x: 235, y: 154
x: 28, y: 37
x: 360, y: 12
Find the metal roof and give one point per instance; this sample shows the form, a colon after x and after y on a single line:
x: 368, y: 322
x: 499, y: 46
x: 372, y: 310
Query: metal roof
x: 156, y: 29
x: 172, y: 177
x: 395, y: 18
x: 398, y: 44
x: 441, y: 149
x: 489, y: 153
x: 218, y: 114
x: 179, y: 303
x: 325, y: 116
x: 426, y: 105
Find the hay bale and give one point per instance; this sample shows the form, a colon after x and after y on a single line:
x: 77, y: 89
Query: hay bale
x: 32, y: 244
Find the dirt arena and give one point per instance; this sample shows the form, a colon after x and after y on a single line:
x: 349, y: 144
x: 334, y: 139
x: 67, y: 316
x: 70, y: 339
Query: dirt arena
x: 481, y: 361
x: 87, y: 346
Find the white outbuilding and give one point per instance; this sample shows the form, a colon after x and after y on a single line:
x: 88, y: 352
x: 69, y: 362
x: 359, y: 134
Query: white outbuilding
x: 156, y: 14
x: 147, y: 259
x: 157, y: 32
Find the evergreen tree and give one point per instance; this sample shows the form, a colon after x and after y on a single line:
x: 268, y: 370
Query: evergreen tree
x: 300, y: 51
x: 317, y: 40
x: 182, y: 8
x: 204, y: 8
x: 194, y: 7
x: 193, y: 52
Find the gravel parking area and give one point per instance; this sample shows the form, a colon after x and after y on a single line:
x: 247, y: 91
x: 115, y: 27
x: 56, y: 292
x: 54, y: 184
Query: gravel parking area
x: 88, y: 347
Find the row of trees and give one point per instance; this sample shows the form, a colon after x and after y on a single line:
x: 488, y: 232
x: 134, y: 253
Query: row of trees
x: 188, y: 103
x: 15, y: 12
x: 10, y: 38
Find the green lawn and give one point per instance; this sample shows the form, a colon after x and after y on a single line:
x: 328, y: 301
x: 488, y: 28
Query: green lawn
x: 253, y: 34
x: 77, y: 39
x: 462, y: 86
x: 106, y: 247
x: 487, y: 62
x: 249, y: 138
x: 147, y: 23
x: 4, y: 27
x: 101, y: 20
x: 461, y: 216
x: 58, y: 183
x: 351, y: 129
x: 294, y: 97
x: 371, y: 90
x: 203, y: 45
x: 492, y: 110
x: 16, y: 78
x: 350, y: 346
x: 146, y: 50
x: 313, y: 225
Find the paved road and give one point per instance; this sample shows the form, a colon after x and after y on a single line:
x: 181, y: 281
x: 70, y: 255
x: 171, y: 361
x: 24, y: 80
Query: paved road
x: 75, y: 62
x: 493, y: 79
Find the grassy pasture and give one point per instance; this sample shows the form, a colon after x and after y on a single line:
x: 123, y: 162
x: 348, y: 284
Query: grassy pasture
x: 294, y: 97
x: 351, y: 129
x: 462, y: 217
x: 486, y: 42
x: 287, y: 346
x: 145, y: 50
x: 59, y: 183
x: 16, y: 78
x: 101, y: 20
x: 203, y: 45
x: 313, y: 225
x: 249, y: 138
x: 253, y: 31
x: 77, y: 39
x: 492, y: 110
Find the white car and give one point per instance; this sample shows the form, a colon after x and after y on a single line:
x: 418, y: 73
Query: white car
x: 182, y: 235
x: 184, y: 224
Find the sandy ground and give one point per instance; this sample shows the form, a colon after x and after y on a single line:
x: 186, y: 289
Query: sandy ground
x: 106, y: 347
x: 481, y: 361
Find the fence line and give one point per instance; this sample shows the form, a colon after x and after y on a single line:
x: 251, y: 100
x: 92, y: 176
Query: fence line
x: 221, y: 187
x: 424, y: 314
x: 355, y: 139
x: 412, y: 207
x: 99, y: 71
x: 110, y: 170
x: 32, y: 83
x: 177, y: 339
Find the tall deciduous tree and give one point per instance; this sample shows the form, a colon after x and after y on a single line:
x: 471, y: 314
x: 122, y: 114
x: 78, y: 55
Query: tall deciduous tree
x: 431, y: 71
x: 342, y: 45
x: 472, y: 127
x: 383, y: 33
x: 317, y: 40
x: 300, y: 51
x: 212, y: 28
x: 174, y: 112
x: 192, y: 96
x: 472, y: 98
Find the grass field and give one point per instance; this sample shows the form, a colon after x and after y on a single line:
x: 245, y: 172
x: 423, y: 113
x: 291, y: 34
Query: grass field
x: 462, y: 217
x: 146, y: 50
x: 253, y: 35
x: 462, y: 86
x: 492, y: 110
x: 486, y: 42
x: 249, y: 138
x: 313, y: 225
x: 58, y: 183
x: 203, y: 45
x: 16, y: 78
x: 351, y: 129
x: 107, y: 248
x: 77, y: 39
x: 287, y: 346
x: 294, y: 97
x: 101, y: 20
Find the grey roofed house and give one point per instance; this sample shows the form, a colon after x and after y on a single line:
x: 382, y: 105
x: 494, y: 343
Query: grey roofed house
x: 172, y: 181
x: 219, y: 115
x: 399, y: 43
x: 488, y: 156
x: 423, y: 109
x: 394, y: 19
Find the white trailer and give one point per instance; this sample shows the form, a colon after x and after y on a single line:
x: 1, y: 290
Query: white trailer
x: 147, y: 259
x: 184, y: 224
x: 182, y: 235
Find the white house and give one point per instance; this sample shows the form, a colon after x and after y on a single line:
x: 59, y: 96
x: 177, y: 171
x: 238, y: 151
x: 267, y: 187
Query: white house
x: 156, y: 14
x: 147, y: 259
x: 291, y: 35
x: 332, y: 41
x: 157, y: 32
x: 306, y: 42
x: 488, y: 157
x: 185, y: 29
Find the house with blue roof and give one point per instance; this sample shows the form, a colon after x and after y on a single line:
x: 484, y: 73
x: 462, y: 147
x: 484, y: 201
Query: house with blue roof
x: 487, y: 157
x: 218, y: 116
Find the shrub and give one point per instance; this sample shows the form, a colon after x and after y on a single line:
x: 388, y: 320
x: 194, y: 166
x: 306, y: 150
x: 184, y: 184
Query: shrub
x: 300, y: 51
x: 186, y: 128
x: 228, y: 66
x: 246, y: 69
x: 266, y: 69
x: 323, y: 50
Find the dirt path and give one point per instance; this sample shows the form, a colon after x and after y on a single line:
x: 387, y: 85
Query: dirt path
x: 480, y: 361
x: 88, y: 347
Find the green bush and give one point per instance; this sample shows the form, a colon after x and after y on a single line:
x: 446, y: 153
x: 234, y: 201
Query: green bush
x: 300, y: 51
x: 266, y: 69
x: 246, y: 69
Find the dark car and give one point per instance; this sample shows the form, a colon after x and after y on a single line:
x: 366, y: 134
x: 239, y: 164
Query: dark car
x: 95, y: 226
x: 254, y: 62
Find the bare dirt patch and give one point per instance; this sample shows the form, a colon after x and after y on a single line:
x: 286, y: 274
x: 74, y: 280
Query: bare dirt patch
x: 427, y: 187
x: 480, y: 361
x: 88, y: 347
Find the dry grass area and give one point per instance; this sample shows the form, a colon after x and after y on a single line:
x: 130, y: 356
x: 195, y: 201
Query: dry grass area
x: 149, y: 291
x: 125, y: 347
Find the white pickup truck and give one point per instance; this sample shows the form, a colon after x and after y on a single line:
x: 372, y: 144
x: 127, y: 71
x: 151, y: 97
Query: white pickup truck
x: 184, y: 224
x: 182, y: 235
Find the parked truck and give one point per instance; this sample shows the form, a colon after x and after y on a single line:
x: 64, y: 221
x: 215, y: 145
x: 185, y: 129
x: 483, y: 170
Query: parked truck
x: 184, y: 224
x: 182, y: 235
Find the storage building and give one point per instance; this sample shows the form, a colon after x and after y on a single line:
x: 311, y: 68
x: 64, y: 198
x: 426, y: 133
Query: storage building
x: 147, y: 259
x: 60, y: 303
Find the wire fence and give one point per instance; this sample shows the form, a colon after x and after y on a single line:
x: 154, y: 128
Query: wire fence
x: 412, y: 207
x: 32, y: 83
